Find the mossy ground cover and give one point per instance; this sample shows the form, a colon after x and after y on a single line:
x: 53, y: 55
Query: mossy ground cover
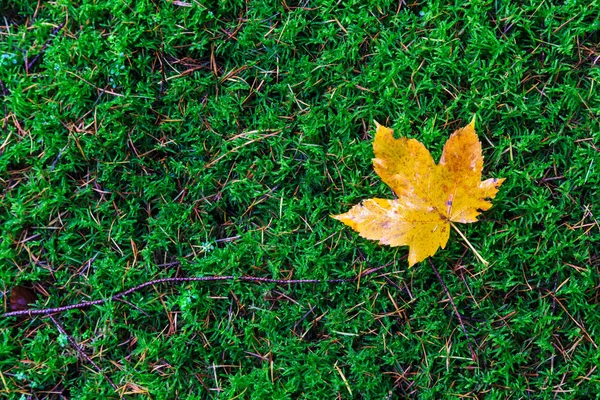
x: 156, y: 139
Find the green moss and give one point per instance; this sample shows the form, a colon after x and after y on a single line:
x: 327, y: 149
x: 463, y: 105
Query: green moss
x: 222, y: 136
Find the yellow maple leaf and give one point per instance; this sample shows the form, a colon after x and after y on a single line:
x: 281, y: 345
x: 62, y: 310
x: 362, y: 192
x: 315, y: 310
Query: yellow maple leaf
x: 430, y: 196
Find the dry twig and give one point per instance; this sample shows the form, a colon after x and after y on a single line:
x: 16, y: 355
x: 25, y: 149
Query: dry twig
x: 462, y: 325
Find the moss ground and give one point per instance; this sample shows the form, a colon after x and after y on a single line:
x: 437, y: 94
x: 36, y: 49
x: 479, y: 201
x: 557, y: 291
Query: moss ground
x: 156, y: 139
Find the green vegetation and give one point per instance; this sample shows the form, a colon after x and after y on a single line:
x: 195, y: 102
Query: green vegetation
x: 156, y: 139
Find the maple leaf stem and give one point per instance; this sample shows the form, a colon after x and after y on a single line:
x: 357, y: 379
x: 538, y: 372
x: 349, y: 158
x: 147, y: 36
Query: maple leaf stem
x: 470, y: 245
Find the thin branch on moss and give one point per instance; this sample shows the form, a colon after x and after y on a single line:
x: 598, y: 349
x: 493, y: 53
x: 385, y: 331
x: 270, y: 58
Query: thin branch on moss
x: 81, y: 352
x: 579, y: 324
x: 85, y: 304
x: 30, y: 64
x: 460, y: 320
x: 3, y: 93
